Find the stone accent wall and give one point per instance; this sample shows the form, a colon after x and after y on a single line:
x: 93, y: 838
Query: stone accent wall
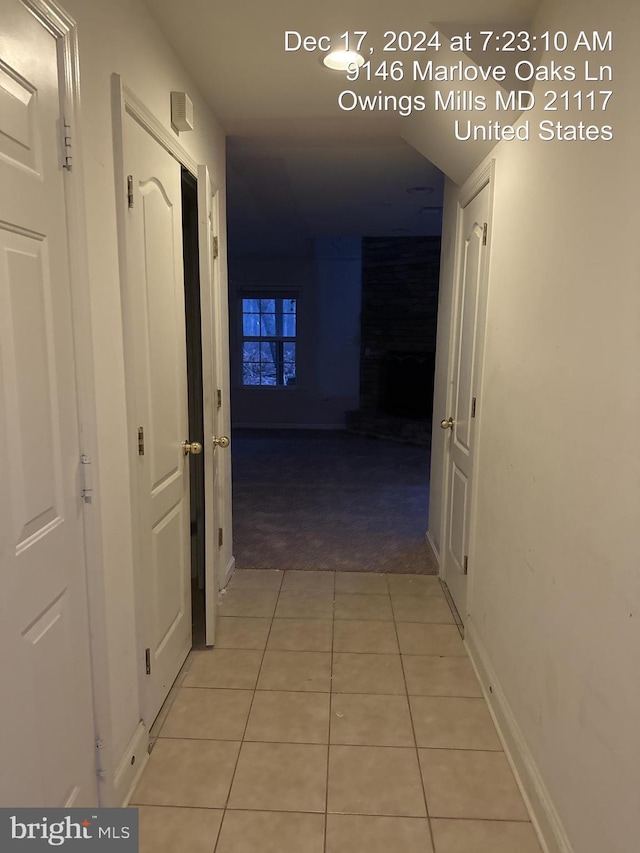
x: 398, y: 321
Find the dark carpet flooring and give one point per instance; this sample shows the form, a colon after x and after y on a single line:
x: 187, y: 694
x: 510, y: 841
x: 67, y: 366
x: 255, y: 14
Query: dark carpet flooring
x: 328, y: 500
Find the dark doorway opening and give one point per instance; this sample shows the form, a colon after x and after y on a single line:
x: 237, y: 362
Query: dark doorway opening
x: 196, y: 404
x: 406, y: 384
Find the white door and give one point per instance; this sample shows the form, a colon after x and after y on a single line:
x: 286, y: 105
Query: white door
x: 158, y: 413
x: 460, y: 420
x: 46, y: 712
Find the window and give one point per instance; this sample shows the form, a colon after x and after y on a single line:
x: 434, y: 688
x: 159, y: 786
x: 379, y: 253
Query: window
x: 269, y: 341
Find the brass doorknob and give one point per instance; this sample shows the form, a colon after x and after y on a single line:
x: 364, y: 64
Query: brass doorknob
x: 193, y: 447
x: 223, y: 441
x: 448, y: 424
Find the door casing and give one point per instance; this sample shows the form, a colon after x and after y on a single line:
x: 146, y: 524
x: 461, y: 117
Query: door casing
x: 211, y: 311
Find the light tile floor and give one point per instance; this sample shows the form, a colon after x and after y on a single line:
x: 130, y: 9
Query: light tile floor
x: 338, y: 713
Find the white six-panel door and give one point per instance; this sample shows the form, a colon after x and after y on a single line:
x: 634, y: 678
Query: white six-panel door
x: 157, y: 375
x: 46, y: 713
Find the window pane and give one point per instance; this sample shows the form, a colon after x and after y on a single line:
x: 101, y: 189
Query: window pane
x: 251, y: 325
x: 267, y: 306
x: 268, y: 374
x: 252, y: 305
x: 268, y: 352
x: 251, y: 351
x: 250, y: 374
x: 289, y: 306
x: 289, y: 367
x: 268, y: 324
x: 289, y: 325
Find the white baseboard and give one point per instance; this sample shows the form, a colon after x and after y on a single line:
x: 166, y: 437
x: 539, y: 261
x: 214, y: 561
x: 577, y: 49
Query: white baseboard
x: 288, y: 426
x: 228, y: 572
x: 128, y: 773
x: 434, y: 549
x: 544, y: 815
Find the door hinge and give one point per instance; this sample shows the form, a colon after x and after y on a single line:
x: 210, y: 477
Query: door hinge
x: 216, y: 250
x: 100, y: 767
x: 147, y: 660
x: 484, y: 234
x: 473, y: 408
x: 219, y: 398
x: 130, y: 190
x: 140, y: 441
x: 67, y: 157
x: 465, y: 565
x: 220, y: 537
x: 87, y: 479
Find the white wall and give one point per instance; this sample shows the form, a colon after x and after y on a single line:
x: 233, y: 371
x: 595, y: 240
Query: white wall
x: 339, y: 289
x: 119, y: 36
x: 329, y: 285
x: 554, y: 599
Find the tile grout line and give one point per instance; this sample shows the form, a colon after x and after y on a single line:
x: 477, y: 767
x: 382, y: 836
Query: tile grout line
x: 320, y: 743
x: 413, y: 729
x: 342, y: 692
x: 352, y: 813
x: 326, y: 793
x: 246, y: 725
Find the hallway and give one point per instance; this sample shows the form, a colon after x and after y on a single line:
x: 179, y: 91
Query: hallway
x: 533, y: 513
x: 339, y: 713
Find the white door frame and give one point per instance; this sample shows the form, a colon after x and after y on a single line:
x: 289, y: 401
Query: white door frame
x: 125, y: 102
x: 211, y: 311
x: 482, y: 177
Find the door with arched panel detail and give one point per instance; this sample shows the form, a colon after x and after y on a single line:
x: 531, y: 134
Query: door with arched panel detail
x: 154, y: 317
x: 461, y: 419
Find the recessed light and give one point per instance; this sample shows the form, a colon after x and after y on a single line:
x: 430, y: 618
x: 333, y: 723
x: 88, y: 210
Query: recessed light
x: 341, y: 60
x: 425, y: 190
